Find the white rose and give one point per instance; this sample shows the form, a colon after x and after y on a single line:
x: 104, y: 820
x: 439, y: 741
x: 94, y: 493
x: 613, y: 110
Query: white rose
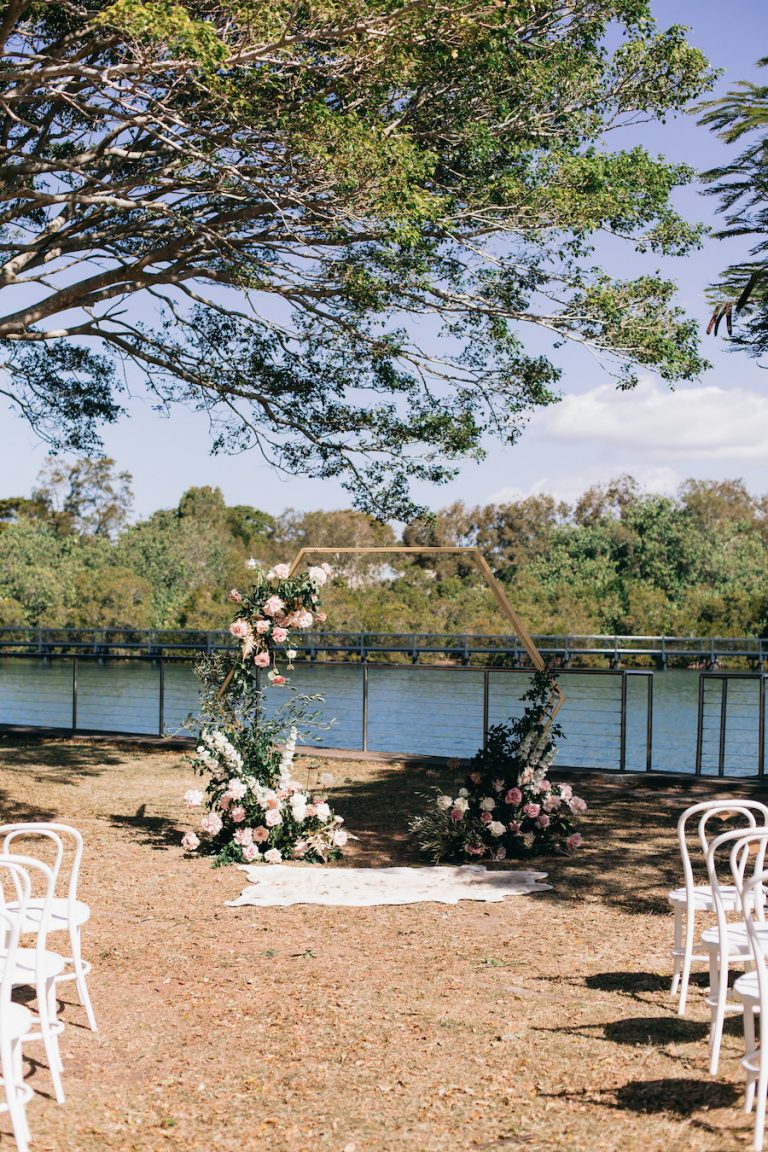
x: 279, y: 572
x: 252, y: 563
x: 444, y: 802
x: 323, y: 811
x: 318, y: 575
x: 273, y: 856
x: 461, y: 804
x: 193, y: 798
x: 496, y: 828
x: 339, y: 838
x: 487, y: 804
x: 463, y: 792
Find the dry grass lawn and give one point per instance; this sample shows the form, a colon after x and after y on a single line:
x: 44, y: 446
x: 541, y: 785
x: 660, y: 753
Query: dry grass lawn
x: 543, y: 1022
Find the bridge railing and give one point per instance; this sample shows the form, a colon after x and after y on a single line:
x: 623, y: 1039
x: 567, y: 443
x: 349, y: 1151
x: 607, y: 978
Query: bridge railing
x: 704, y: 651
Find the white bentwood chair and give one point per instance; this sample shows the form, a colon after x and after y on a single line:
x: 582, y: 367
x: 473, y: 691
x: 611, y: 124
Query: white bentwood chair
x: 692, y: 897
x: 752, y: 990
x: 727, y: 941
x: 37, y: 967
x: 16, y: 1021
x: 67, y: 913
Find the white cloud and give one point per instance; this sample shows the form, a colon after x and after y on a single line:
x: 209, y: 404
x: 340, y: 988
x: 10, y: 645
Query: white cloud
x: 700, y: 422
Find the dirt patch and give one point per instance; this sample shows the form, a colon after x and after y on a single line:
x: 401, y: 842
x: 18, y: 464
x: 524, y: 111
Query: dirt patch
x: 543, y: 1022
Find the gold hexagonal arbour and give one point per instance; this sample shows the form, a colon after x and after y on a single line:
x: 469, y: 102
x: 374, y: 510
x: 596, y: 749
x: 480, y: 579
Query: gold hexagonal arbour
x: 557, y: 696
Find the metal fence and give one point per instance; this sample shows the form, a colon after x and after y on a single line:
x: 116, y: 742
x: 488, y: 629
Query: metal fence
x: 704, y: 651
x: 708, y: 723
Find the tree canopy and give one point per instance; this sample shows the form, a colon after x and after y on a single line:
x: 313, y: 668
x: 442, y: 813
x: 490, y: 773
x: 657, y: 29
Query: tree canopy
x: 328, y: 226
x: 619, y: 560
x: 741, y: 117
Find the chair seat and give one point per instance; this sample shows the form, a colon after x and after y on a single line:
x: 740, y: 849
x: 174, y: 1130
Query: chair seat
x: 746, y: 987
x: 59, y: 916
x: 738, y: 941
x: 703, y: 900
x: 17, y: 1021
x: 26, y: 959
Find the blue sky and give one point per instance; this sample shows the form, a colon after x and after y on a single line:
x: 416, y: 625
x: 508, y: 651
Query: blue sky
x: 715, y: 428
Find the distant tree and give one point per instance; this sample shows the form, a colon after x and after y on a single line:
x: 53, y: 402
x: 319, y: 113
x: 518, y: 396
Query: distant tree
x: 345, y: 214
x: 87, y: 496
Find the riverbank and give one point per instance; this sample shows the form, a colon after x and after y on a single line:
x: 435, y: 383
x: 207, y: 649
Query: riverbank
x: 543, y: 1022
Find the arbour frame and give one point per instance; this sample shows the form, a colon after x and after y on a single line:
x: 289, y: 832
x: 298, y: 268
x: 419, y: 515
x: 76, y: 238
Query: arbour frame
x: 557, y: 696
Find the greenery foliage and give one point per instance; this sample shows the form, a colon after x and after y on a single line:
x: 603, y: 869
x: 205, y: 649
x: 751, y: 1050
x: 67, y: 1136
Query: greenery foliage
x: 507, y: 806
x: 256, y: 810
x: 331, y: 226
x: 741, y: 118
x: 617, y: 560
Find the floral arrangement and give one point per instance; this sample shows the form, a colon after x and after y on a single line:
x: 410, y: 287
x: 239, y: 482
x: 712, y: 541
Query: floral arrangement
x: 254, y: 808
x: 507, y: 806
x: 276, y: 605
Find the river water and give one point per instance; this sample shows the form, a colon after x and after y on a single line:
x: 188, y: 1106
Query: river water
x: 414, y: 709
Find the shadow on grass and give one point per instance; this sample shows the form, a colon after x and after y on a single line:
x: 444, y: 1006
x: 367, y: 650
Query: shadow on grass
x: 156, y: 832
x: 13, y: 811
x: 630, y: 859
x: 656, y: 1030
x: 677, y: 1095
x: 60, y: 761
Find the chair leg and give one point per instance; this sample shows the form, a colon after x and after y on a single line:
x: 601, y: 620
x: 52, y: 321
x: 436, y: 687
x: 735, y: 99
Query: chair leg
x: 690, y: 924
x: 18, y: 1067
x: 749, y: 1048
x: 676, y: 957
x: 718, y: 1013
x: 82, y: 987
x: 14, y: 1103
x: 762, y: 1088
x: 47, y: 1013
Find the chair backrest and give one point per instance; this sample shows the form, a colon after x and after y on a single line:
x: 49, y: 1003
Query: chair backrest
x: 67, y: 843
x: 747, y: 810
x: 740, y: 844
x: 13, y: 876
x: 752, y: 901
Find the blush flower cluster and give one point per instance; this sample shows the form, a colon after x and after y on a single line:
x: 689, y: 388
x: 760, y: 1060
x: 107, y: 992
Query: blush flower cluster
x: 277, y: 606
x: 255, y: 810
x: 507, y: 805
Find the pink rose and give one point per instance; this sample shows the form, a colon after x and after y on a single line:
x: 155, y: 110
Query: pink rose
x: 474, y: 849
x: 235, y: 596
x: 551, y: 803
x: 272, y: 818
x: 260, y: 834
x: 543, y: 821
x: 274, y: 606
x: 304, y: 619
x: 280, y: 571
x: 211, y: 824
x: 238, y: 814
x: 262, y: 627
x: 300, y: 849
x: 514, y: 827
x: 243, y: 836
x: 190, y: 842
x: 456, y: 815
x: 514, y: 796
x: 486, y: 817
x: 577, y: 805
x: 500, y: 853
x: 475, y: 777
x: 250, y: 852
x: 573, y: 842
x: 311, y: 810
x: 278, y: 681
x: 262, y: 660
x: 279, y: 635
x: 321, y: 617
x: 240, y: 628
x: 532, y: 810
x: 224, y: 801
